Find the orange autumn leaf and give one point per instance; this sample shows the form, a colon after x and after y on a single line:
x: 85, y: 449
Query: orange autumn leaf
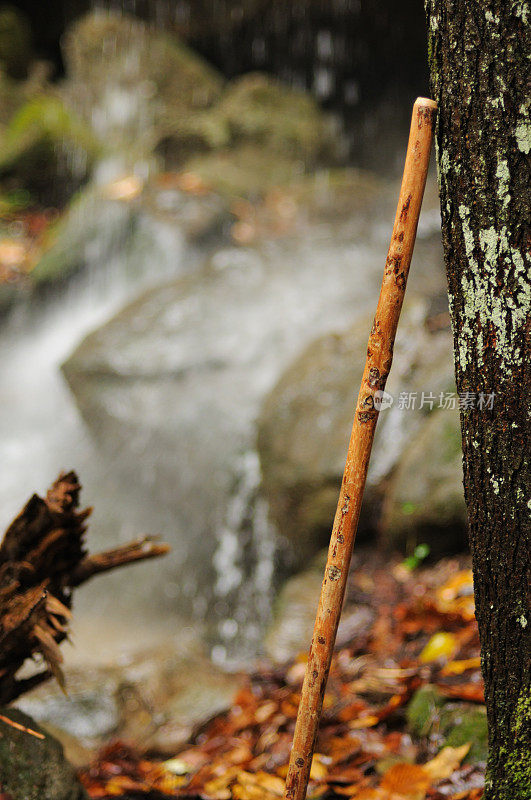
x: 408, y: 780
x: 261, y: 785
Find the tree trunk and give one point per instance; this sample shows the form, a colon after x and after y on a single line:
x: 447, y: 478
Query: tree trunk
x: 478, y: 62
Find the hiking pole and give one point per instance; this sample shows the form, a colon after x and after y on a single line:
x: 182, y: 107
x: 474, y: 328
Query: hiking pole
x: 377, y: 366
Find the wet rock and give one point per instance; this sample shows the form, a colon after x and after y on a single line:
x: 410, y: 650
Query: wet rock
x: 179, y: 377
x: 425, y: 501
x: 164, y: 698
x: 294, y: 616
x: 89, y: 218
x: 100, y: 234
x: 76, y: 753
x: 33, y: 768
x: 156, y: 701
x: 89, y: 713
x: 244, y: 171
x: 305, y: 423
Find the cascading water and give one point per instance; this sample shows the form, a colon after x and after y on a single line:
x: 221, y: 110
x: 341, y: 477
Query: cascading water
x: 244, y: 565
x: 163, y: 432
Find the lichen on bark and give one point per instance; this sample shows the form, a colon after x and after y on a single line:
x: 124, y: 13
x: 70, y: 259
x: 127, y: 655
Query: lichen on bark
x: 478, y: 55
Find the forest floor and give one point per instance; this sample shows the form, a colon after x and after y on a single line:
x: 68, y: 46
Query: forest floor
x: 403, y: 715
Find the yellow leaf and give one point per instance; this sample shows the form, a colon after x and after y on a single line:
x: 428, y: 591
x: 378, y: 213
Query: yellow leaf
x: 169, y: 782
x: 446, y: 762
x: 364, y: 722
x: 458, y: 667
x: 217, y: 787
x: 270, y: 782
x: 318, y: 770
x: 258, y: 786
x: 460, y: 584
x: 441, y: 644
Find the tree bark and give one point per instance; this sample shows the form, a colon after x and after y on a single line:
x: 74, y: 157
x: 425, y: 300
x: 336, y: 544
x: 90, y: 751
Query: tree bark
x: 478, y: 61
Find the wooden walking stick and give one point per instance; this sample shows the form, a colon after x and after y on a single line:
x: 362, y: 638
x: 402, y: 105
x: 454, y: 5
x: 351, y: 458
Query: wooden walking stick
x: 377, y: 366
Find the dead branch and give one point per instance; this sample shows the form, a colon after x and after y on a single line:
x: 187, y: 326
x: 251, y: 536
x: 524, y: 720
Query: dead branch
x: 43, y: 558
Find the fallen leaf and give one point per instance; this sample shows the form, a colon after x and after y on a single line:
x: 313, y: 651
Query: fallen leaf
x: 411, y: 781
x: 445, y: 762
x: 441, y: 644
x: 458, y: 667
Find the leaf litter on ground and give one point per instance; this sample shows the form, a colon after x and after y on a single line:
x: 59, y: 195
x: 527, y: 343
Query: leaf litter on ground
x: 423, y: 633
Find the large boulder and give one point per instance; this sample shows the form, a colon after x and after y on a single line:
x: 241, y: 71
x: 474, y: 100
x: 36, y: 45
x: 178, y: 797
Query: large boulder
x: 260, y: 133
x: 132, y: 80
x: 259, y: 109
x: 33, y: 768
x: 171, y: 388
x: 305, y: 423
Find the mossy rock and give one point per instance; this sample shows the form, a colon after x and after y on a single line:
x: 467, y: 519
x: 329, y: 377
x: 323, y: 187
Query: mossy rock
x: 423, y: 710
x: 33, y: 142
x: 268, y: 134
x: 178, y: 73
x: 259, y: 109
x: 301, y: 472
x: 109, y: 54
x: 246, y: 171
x: 32, y: 768
x: 463, y: 723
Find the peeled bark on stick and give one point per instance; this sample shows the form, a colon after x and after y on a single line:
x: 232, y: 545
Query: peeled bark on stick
x: 377, y: 366
x: 42, y: 559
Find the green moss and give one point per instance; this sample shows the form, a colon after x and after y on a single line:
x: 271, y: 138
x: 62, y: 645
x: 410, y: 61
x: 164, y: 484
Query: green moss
x: 518, y: 761
x: 466, y: 724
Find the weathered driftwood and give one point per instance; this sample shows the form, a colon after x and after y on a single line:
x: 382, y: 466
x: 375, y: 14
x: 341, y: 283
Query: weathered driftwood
x: 377, y: 366
x: 42, y: 559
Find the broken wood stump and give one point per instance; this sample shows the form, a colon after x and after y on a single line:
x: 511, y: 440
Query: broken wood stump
x: 43, y: 557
